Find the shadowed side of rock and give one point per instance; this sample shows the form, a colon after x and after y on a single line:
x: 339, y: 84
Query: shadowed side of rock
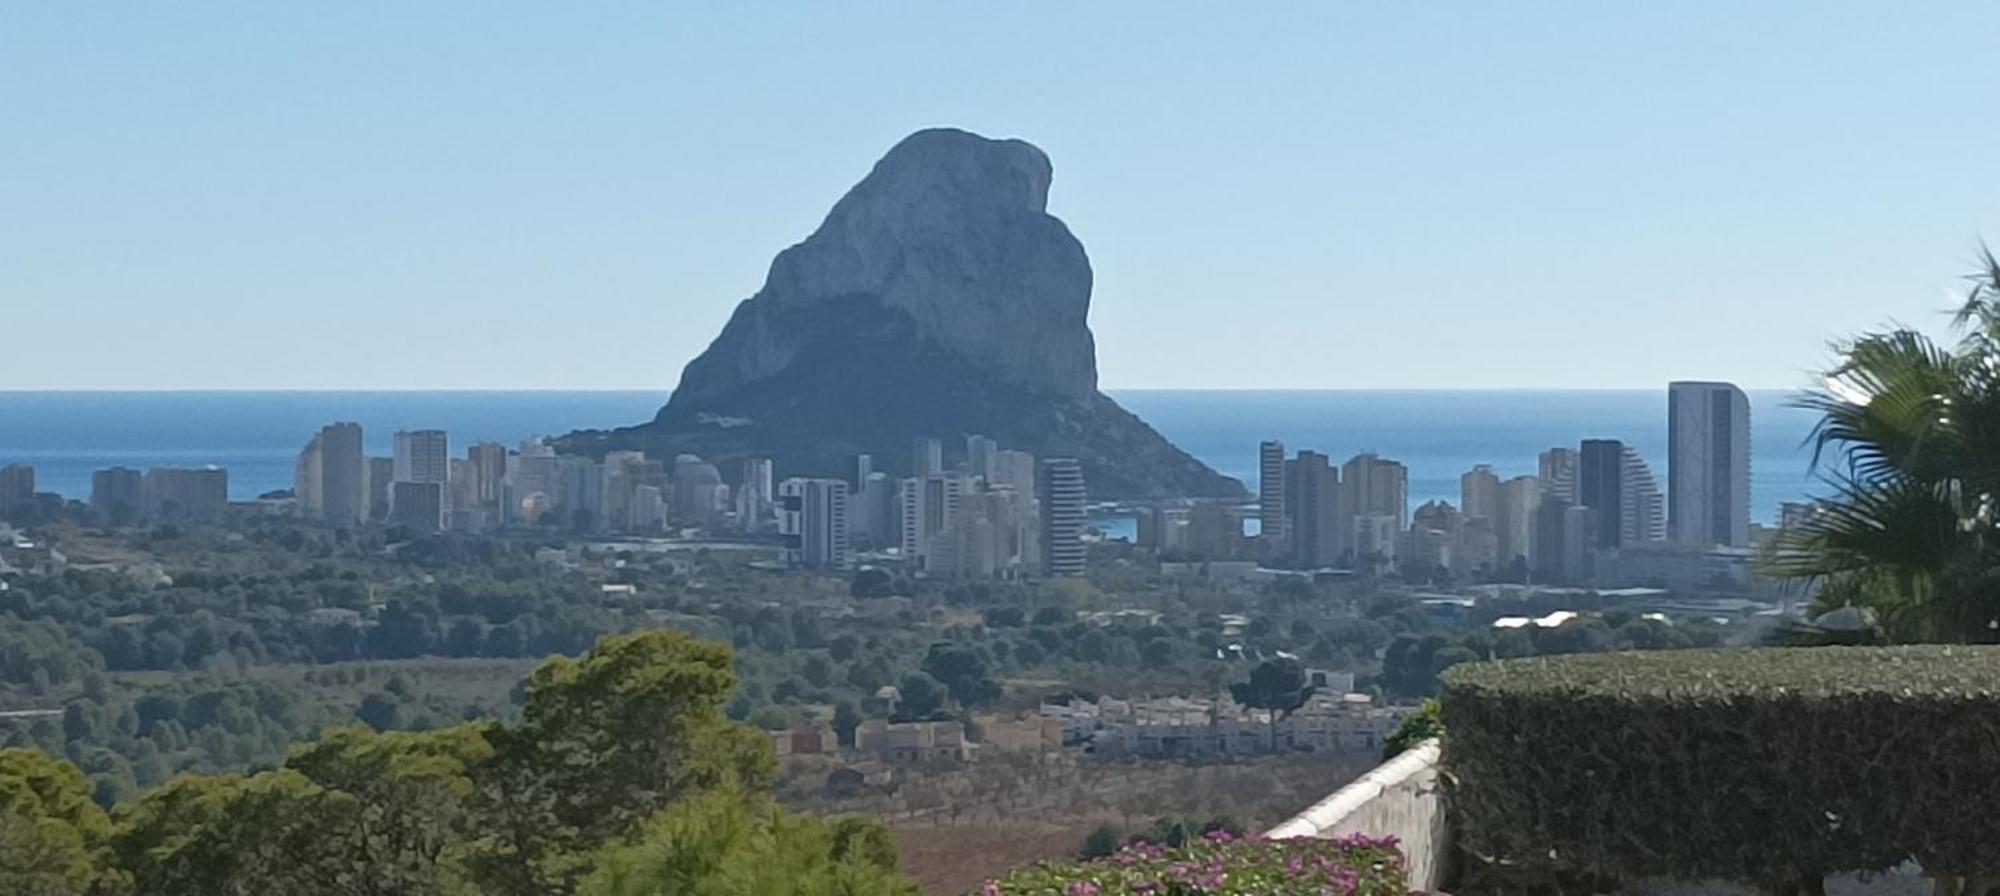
x: 874, y: 387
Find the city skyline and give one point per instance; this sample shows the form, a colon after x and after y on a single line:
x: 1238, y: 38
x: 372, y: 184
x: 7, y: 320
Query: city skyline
x: 204, y: 182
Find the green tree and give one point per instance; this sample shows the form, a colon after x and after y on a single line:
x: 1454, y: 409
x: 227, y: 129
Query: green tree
x: 722, y: 844
x: 414, y: 787
x: 1415, y: 728
x: 963, y: 672
x: 605, y: 742
x: 872, y: 582
x: 54, y: 840
x: 922, y: 696
x: 1277, y: 686
x: 1102, y: 841
x: 275, y: 832
x: 845, y: 717
x: 1909, y: 441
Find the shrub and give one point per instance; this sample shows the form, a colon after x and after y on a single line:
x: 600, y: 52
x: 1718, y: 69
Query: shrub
x: 1103, y: 841
x: 1771, y: 767
x: 1222, y: 865
x: 1415, y: 728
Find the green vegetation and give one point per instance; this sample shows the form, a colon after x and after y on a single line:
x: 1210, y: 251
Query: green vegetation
x: 1417, y: 727
x: 1172, y: 832
x: 166, y: 651
x: 1277, y: 686
x: 1769, y: 767
x: 623, y: 776
x: 719, y: 845
x: 1913, y: 428
x: 1221, y: 865
x: 53, y: 839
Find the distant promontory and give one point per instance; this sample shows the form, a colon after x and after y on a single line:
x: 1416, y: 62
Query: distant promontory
x: 938, y: 298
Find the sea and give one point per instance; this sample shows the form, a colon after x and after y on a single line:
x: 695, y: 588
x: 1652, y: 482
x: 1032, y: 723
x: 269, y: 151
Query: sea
x: 1437, y: 434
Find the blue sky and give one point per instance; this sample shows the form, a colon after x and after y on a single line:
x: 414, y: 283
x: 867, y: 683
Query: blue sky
x: 1313, y: 195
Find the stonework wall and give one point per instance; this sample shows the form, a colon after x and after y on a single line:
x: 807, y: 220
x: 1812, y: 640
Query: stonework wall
x: 1398, y: 798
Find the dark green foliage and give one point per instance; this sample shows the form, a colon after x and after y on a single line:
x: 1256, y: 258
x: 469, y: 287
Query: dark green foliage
x: 872, y: 582
x: 1278, y: 686
x: 963, y: 673
x: 1909, y: 435
x: 1102, y: 841
x: 1170, y: 831
x: 922, y: 697
x: 724, y: 845
x: 622, y: 771
x: 54, y: 841
x: 1417, y: 727
x: 1769, y: 767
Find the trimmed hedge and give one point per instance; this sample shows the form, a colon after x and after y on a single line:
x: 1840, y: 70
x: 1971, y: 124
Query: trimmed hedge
x: 1766, y: 766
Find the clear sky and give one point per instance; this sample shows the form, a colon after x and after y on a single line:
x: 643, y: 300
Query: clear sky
x: 1312, y: 195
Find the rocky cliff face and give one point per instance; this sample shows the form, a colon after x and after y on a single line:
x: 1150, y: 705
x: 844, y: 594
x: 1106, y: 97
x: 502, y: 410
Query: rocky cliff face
x: 938, y: 298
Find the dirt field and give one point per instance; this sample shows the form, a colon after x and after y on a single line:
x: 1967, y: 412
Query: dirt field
x: 952, y: 861
x: 963, y: 827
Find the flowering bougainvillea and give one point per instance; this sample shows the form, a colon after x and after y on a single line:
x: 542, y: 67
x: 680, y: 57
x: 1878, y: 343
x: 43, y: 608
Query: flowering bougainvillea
x: 1220, y: 865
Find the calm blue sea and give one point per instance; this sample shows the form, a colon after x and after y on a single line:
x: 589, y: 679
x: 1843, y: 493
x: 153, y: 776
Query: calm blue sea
x: 1438, y: 434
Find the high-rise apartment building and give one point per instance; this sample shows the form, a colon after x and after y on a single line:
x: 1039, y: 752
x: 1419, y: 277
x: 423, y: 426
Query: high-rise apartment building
x: 423, y: 455
x: 1643, y: 507
x: 535, y: 479
x: 116, y: 495
x: 1014, y: 470
x: 173, y: 494
x: 697, y: 490
x: 343, y: 475
x: 1479, y: 493
x: 1376, y: 487
x: 1514, y: 527
x: 486, y: 463
x: 306, y: 480
x: 1558, y: 474
x: 1600, y: 486
x: 929, y: 507
x: 1063, y: 505
x: 755, y: 496
x: 578, y: 490
x: 1708, y: 464
x: 417, y: 505
x: 992, y: 537
x: 979, y: 451
x: 864, y: 467
x: 926, y: 457
x: 812, y: 520
x: 1565, y: 542
x: 646, y: 512
x: 873, y: 515
x: 17, y: 487
x: 1315, y: 523
x: 380, y: 475
x: 1273, y: 520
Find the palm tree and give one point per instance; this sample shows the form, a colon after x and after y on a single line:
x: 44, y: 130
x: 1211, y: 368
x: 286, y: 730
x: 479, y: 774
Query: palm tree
x: 1909, y: 442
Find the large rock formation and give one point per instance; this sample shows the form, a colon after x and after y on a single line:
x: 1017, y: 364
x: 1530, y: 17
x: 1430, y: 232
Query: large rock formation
x: 939, y: 298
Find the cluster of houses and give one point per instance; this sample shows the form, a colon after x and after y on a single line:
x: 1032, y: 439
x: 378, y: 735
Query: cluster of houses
x: 1169, y: 728
x: 1183, y: 727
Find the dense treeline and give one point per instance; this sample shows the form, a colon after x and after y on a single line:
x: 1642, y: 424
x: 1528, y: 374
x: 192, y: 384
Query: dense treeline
x: 622, y: 776
x: 196, y: 667
x: 313, y: 615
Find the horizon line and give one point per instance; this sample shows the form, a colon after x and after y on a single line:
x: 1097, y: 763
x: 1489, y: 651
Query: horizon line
x: 609, y: 390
